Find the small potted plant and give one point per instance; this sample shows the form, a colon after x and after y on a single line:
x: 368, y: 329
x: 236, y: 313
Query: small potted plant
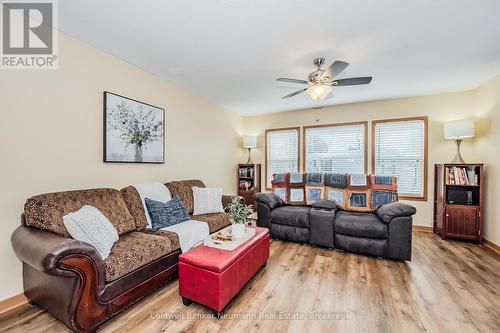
x: 239, y: 214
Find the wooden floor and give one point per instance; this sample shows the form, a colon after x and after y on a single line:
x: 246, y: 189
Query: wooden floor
x: 449, y: 286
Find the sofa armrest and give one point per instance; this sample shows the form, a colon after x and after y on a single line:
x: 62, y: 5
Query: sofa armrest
x: 227, y: 199
x: 271, y: 200
x: 43, y: 250
x: 392, y: 210
x: 400, y: 238
x: 263, y: 216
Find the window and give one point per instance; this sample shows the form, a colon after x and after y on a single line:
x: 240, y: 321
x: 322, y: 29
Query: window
x: 400, y: 149
x: 282, y: 151
x: 339, y: 148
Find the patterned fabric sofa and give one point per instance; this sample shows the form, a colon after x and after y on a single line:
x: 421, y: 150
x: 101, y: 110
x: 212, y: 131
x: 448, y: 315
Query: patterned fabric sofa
x: 365, y: 219
x: 69, y: 279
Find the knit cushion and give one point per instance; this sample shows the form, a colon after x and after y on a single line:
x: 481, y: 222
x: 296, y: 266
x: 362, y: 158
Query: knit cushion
x: 207, y: 200
x: 166, y: 214
x: 89, y: 225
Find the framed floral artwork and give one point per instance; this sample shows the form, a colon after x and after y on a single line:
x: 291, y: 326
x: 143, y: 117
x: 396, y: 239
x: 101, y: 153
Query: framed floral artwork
x: 134, y: 132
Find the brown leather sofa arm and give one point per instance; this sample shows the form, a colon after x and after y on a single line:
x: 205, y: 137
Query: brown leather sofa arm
x: 227, y: 199
x: 43, y: 250
x: 63, y: 276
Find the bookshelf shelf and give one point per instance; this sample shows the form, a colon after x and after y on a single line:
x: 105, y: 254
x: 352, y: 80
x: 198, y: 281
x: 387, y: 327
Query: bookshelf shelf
x: 458, y: 201
x: 462, y: 185
x: 248, y: 180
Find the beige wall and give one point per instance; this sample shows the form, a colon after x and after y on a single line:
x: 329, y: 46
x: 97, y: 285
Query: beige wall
x: 488, y: 146
x: 439, y: 108
x: 51, y: 136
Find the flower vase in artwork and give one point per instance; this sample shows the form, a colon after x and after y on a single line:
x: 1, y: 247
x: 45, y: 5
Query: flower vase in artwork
x: 138, y: 129
x: 138, y: 152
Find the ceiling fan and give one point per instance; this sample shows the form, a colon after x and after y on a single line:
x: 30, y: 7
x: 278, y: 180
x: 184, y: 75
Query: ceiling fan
x: 320, y: 81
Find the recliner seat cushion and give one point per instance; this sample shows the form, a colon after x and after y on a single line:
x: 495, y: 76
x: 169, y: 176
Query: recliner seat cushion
x: 295, y: 216
x: 134, y: 250
x: 369, y: 246
x: 289, y: 233
x: 365, y: 225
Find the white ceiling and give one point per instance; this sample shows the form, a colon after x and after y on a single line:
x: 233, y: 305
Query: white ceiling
x: 232, y: 51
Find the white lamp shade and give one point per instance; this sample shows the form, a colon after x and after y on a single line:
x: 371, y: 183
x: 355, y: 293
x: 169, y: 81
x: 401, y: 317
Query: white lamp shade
x: 319, y: 92
x: 249, y: 141
x: 459, y: 129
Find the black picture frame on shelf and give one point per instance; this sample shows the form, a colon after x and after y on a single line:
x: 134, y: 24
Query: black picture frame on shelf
x: 123, y: 140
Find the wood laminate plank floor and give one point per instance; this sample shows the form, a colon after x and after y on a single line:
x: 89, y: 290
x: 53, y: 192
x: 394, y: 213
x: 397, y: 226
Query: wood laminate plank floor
x: 449, y: 286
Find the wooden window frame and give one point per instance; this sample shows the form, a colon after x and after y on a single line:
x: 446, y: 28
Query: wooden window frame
x: 266, y: 152
x: 364, y: 123
x: 426, y: 152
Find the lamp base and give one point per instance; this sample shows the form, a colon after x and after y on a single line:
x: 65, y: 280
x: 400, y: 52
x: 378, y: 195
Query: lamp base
x: 458, y: 157
x: 249, y: 161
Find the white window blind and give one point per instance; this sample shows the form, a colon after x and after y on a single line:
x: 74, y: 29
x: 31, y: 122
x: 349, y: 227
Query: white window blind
x: 282, y: 152
x: 399, y: 151
x: 339, y: 149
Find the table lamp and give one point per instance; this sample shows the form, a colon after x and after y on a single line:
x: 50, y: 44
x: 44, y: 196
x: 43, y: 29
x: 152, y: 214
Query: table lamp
x: 249, y: 142
x: 458, y: 130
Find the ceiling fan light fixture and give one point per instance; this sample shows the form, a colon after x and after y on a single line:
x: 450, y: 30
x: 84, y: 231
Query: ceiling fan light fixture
x: 318, y: 92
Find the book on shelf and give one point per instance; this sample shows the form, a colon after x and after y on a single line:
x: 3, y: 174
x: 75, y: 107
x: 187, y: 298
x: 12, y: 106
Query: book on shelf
x: 461, y: 176
x: 246, y: 172
x: 245, y: 185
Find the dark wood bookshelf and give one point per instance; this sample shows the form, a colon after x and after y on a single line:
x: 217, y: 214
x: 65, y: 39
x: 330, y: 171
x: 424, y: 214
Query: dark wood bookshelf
x: 248, y: 181
x: 459, y: 201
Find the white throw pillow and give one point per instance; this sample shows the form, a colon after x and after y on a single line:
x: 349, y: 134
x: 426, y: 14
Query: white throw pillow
x: 207, y: 200
x: 89, y: 225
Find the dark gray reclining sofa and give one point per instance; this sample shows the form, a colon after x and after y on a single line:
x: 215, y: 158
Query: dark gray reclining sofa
x: 385, y: 233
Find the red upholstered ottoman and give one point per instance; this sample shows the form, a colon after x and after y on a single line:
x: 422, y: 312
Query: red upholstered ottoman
x: 212, y: 277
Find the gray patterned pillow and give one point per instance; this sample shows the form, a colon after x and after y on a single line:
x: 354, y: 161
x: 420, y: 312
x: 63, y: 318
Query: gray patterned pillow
x: 166, y: 214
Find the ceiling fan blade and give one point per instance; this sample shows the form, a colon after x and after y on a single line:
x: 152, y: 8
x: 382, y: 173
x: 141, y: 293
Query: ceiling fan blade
x: 284, y: 79
x: 353, y: 81
x: 334, y: 69
x: 295, y: 93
